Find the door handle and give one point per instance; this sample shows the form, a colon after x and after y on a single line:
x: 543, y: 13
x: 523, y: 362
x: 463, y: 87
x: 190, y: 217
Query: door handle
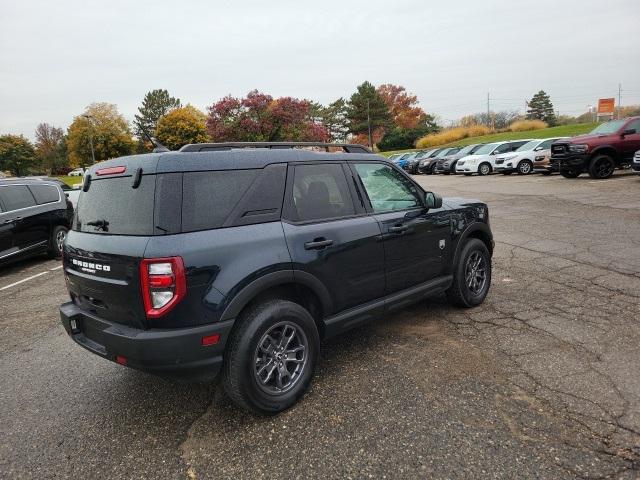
x: 318, y: 244
x: 398, y: 229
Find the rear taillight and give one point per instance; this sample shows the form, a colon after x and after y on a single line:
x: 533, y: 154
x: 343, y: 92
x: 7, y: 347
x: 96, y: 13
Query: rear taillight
x: 163, y: 284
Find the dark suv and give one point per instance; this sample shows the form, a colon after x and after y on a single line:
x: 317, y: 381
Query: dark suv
x: 221, y: 258
x: 609, y: 146
x: 35, y: 216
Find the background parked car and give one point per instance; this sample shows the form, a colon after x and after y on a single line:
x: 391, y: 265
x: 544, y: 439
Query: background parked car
x: 35, y: 216
x: 402, y: 160
x: 428, y: 165
x: 522, y: 160
x: 77, y: 172
x: 414, y: 162
x: 482, y: 161
x: 447, y: 164
x: 609, y: 146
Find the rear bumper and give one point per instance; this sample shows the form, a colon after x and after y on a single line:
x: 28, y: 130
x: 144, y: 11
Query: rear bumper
x: 166, y: 352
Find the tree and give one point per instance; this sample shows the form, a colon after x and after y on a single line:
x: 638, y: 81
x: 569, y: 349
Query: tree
x: 497, y: 120
x: 334, y: 118
x: 155, y: 105
x: 401, y: 138
x: 182, y: 126
x: 367, y: 109
x: 16, y: 154
x: 403, y: 107
x: 541, y: 108
x: 50, y: 154
x: 105, y: 127
x: 261, y: 118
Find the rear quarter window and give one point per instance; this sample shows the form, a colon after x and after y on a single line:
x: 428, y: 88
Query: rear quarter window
x: 208, y: 198
x: 44, y: 193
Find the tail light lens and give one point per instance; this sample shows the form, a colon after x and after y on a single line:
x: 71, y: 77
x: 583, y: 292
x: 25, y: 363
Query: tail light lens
x: 163, y: 284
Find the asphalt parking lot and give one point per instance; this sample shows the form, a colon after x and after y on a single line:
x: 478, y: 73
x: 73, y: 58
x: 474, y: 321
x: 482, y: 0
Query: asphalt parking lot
x: 542, y: 381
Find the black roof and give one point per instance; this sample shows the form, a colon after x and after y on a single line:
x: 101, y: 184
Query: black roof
x: 230, y: 157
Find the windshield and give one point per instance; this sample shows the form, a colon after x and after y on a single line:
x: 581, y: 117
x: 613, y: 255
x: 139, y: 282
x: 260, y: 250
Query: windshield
x: 422, y: 154
x: 528, y: 146
x: 467, y: 150
x: 485, y: 149
x: 608, y: 128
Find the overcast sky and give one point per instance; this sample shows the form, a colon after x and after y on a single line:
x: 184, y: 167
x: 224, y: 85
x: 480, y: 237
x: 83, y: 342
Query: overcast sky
x: 59, y: 56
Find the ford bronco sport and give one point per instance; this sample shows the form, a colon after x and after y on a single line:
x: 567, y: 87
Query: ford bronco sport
x: 609, y: 146
x: 223, y: 258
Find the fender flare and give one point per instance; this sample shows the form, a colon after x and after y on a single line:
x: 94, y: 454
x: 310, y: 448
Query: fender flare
x: 273, y: 279
x: 608, y: 150
x: 474, y: 227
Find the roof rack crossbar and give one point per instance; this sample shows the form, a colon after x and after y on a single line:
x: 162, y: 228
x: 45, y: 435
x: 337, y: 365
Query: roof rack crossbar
x: 202, y: 147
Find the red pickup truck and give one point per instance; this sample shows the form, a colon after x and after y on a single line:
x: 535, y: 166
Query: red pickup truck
x: 609, y: 146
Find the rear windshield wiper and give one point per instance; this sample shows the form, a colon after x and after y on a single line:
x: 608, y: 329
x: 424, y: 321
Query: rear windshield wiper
x: 99, y: 224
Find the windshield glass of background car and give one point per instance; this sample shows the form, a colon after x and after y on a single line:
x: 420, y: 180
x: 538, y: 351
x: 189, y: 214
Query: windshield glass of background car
x: 466, y: 150
x: 608, y: 128
x: 485, y: 149
x: 528, y: 146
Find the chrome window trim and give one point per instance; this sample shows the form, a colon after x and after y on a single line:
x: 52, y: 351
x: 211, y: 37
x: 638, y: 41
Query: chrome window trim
x: 57, y: 187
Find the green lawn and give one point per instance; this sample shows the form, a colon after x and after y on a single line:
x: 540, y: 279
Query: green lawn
x: 71, y: 181
x: 562, y: 131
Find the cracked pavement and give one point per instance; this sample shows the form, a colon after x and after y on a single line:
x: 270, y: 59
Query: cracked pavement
x: 541, y: 381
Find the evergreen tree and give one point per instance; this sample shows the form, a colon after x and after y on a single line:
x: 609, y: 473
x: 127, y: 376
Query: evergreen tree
x: 366, y: 104
x: 155, y: 104
x: 541, y: 108
x: 334, y: 119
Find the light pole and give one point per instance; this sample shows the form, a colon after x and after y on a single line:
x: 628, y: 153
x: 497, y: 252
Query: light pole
x: 93, y: 155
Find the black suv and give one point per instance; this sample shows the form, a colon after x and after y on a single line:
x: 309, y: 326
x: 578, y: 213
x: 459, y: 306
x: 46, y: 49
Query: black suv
x: 224, y: 258
x: 35, y: 216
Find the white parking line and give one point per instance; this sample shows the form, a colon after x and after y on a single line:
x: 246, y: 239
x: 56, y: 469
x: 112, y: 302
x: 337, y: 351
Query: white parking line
x: 23, y: 280
x: 55, y: 268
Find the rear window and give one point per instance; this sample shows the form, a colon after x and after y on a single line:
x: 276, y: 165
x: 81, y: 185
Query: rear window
x: 15, y: 197
x: 44, y: 193
x: 112, y: 206
x: 210, y: 197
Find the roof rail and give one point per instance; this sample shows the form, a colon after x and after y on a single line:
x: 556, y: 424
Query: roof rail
x: 209, y: 147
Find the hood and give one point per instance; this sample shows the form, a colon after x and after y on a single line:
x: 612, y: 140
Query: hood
x: 477, y: 158
x: 459, y: 202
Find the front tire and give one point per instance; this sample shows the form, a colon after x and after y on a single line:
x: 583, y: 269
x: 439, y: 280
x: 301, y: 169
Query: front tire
x: 472, y: 275
x: 525, y: 167
x: 484, y: 169
x: 271, y: 356
x: 56, y: 242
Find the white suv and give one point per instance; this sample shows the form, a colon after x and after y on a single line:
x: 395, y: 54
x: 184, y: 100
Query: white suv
x: 482, y: 161
x: 522, y: 160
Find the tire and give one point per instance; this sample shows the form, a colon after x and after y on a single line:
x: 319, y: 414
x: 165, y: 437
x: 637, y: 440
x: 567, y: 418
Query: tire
x: 460, y: 293
x: 484, y: 169
x: 569, y: 173
x: 601, y: 167
x: 246, y: 357
x: 525, y: 167
x: 58, y: 236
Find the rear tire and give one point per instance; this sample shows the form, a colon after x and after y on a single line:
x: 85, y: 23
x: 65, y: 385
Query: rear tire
x: 58, y: 236
x: 601, y: 167
x: 261, y: 372
x: 525, y: 167
x: 472, y: 275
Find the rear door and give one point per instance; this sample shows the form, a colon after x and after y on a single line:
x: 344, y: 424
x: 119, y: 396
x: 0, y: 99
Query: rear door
x: 6, y: 233
x: 631, y: 143
x: 330, y: 236
x: 29, y: 223
x: 416, y: 240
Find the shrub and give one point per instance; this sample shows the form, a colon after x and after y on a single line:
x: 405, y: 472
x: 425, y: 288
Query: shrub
x: 526, y: 125
x: 452, y: 135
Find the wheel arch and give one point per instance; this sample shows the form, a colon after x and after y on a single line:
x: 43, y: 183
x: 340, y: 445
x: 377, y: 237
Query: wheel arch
x: 478, y: 230
x: 604, y: 150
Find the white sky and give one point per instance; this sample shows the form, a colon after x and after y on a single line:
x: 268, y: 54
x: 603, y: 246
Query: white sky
x: 56, y: 57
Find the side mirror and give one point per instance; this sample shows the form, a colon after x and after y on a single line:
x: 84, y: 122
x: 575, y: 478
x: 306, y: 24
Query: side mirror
x: 432, y: 200
x: 628, y: 131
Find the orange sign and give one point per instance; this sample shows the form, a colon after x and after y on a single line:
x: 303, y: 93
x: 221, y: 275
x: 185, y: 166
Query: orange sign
x: 606, y: 105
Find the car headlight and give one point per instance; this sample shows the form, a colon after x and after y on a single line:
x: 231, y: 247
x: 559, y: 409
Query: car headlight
x: 579, y: 148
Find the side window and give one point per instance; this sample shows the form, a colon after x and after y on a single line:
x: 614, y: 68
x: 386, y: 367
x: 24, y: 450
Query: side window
x: 506, y: 147
x: 387, y: 188
x: 44, y: 193
x: 546, y: 144
x: 208, y: 198
x: 320, y: 191
x: 634, y: 124
x: 15, y: 197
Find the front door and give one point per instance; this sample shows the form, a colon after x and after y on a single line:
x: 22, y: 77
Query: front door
x: 330, y: 236
x: 631, y: 143
x: 416, y: 239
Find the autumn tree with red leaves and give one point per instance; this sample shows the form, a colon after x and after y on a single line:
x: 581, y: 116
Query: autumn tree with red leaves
x: 260, y: 118
x: 403, y: 107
